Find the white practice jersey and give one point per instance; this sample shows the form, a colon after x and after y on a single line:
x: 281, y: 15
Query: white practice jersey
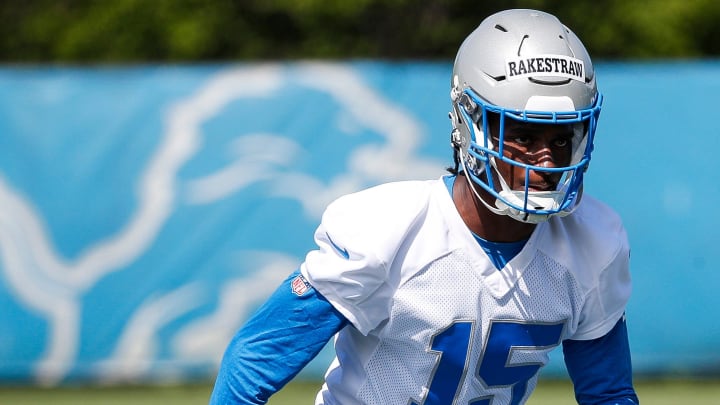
x: 433, y: 320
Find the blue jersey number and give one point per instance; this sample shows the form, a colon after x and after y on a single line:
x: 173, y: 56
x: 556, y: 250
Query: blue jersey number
x: 495, y: 367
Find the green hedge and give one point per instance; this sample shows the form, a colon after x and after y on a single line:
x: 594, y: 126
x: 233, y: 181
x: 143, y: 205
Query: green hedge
x: 112, y: 31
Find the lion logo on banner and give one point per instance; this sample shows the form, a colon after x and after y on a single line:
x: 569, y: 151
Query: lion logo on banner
x: 242, y: 137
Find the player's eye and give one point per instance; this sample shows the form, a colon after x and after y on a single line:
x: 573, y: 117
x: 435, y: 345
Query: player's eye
x: 522, y: 140
x: 562, y: 142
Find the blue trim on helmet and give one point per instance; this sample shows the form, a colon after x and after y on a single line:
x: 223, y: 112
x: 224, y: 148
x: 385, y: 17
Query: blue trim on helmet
x: 483, y: 153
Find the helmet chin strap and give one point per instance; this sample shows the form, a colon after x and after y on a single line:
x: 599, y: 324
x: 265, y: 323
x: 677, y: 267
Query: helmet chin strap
x: 472, y: 187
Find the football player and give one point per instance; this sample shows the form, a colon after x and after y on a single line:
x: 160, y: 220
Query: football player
x: 454, y: 291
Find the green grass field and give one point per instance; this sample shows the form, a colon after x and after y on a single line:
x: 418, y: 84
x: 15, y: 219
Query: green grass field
x: 655, y: 392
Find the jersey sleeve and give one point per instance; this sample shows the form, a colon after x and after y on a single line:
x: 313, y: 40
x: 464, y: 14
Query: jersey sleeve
x: 356, y: 285
x: 357, y: 239
x: 605, y: 303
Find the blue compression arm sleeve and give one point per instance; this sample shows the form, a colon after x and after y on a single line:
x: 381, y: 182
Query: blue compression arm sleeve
x: 600, y: 369
x: 286, y: 333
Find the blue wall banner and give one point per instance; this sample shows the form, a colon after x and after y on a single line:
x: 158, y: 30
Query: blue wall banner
x: 146, y: 211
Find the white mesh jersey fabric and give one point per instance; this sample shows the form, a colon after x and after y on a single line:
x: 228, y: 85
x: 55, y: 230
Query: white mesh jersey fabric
x: 433, y: 320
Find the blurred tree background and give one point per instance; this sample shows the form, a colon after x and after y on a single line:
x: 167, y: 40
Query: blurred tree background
x: 170, y: 31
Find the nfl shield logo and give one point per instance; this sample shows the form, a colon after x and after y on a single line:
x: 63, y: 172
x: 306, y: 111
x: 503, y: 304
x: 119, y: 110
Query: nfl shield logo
x: 300, y: 286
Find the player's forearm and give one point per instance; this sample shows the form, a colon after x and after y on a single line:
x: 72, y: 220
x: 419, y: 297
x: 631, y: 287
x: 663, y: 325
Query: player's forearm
x: 274, y: 345
x: 601, y: 369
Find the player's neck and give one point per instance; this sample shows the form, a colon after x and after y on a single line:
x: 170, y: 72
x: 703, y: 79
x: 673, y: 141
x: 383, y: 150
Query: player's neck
x: 483, y: 222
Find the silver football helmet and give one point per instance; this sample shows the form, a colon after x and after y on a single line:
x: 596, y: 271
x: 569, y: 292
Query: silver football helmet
x: 523, y: 65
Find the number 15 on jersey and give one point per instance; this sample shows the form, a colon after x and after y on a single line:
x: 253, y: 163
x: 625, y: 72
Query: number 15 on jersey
x: 495, y: 367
